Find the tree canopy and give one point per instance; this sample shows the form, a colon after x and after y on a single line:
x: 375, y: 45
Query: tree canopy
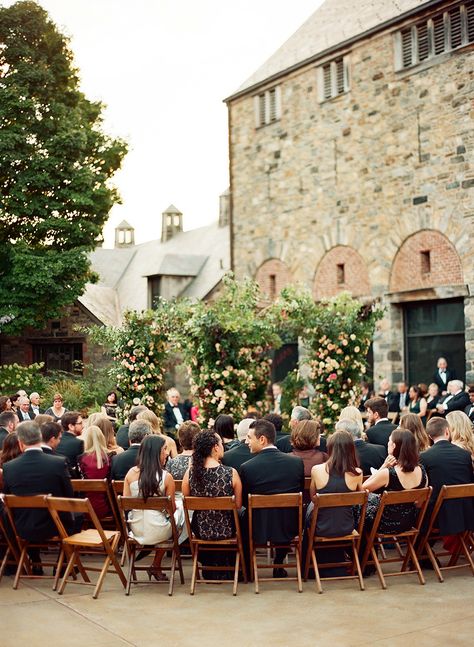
x: 55, y: 168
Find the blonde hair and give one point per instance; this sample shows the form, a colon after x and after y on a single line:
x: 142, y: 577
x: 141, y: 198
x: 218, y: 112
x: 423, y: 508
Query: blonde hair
x: 461, y: 430
x: 153, y: 419
x: 412, y: 422
x: 95, y: 444
x: 92, y: 419
x: 107, y: 429
x: 352, y: 413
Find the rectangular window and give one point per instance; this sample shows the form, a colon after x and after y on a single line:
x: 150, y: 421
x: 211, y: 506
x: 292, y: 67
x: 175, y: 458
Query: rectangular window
x: 341, y: 275
x: 267, y: 107
x: 334, y: 78
x: 154, y: 289
x: 425, y: 262
x: 442, y: 33
x: 59, y: 356
x: 272, y: 287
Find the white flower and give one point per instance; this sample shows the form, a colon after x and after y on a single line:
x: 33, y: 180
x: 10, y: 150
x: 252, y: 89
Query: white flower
x: 130, y: 342
x: 136, y: 401
x: 218, y: 393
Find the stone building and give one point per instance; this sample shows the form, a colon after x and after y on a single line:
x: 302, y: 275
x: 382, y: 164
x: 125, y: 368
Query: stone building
x: 352, y: 168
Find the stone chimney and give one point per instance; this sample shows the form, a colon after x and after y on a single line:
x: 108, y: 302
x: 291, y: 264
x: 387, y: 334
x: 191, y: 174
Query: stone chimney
x: 171, y: 223
x: 124, y: 235
x: 224, y: 208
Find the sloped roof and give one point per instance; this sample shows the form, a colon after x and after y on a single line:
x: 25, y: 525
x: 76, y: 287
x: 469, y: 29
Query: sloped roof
x: 103, y: 303
x: 124, y: 225
x: 334, y: 23
x: 172, y: 209
x: 181, y: 265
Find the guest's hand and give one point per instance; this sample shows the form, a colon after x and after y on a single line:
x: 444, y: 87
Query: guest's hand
x: 390, y: 461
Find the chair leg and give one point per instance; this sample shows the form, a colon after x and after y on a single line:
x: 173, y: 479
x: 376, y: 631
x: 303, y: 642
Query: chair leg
x: 255, y: 570
x: 111, y: 548
x: 102, y: 575
x: 317, y: 577
x: 59, y: 567
x: 172, y: 571
x: 432, y: 557
x: 21, y: 563
x: 357, y: 565
x: 414, y: 559
x: 236, y: 573
x: 131, y: 571
x: 298, y: 568
x: 195, y: 568
x: 242, y: 564
x: 466, y: 552
x: 67, y: 571
x: 378, y: 567
x: 180, y: 566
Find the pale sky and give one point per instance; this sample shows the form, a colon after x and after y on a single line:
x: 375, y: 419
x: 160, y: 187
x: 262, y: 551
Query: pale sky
x: 163, y: 67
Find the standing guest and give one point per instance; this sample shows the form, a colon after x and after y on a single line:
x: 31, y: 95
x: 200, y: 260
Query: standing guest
x: 380, y: 427
x: 70, y: 445
x: 155, y: 423
x: 433, y: 396
x: 448, y: 464
x: 276, y: 393
x: 122, y: 433
x: 121, y: 463
x: 443, y: 375
x: 178, y: 465
x: 271, y: 472
x: 412, y: 422
x: 456, y: 400
x: 5, y: 403
x: 224, y: 426
x: 58, y: 409
x: 109, y: 408
x: 469, y: 410
x: 175, y: 412
x: 51, y: 433
x: 35, y: 405
x: 95, y: 464
x: 298, y: 413
x: 107, y: 428
x: 208, y: 477
x: 462, y: 433
x: 366, y: 394
x: 23, y: 409
x: 8, y: 423
x: 369, y: 456
x: 418, y: 404
x: 305, y: 441
x: 241, y: 454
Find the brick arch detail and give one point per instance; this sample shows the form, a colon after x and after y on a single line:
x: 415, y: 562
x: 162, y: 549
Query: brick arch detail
x: 272, y: 276
x: 425, y: 259
x: 342, y: 268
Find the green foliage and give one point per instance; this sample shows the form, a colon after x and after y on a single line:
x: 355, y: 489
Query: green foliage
x: 14, y: 377
x: 55, y: 167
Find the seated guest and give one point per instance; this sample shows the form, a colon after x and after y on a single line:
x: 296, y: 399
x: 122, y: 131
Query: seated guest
x: 175, y: 413
x: 469, y: 410
x: 155, y: 423
x: 418, y: 404
x: 240, y: 454
x: 391, y: 398
x: 305, y: 442
x: 448, y: 464
x: 443, y: 375
x: 95, y: 464
x: 403, y: 397
x: 277, y: 422
x: 58, y: 409
x: 352, y: 413
x: 70, y: 445
x: 456, y: 400
x: 122, y: 463
x: 107, y: 428
x: 149, y: 479
x: 8, y: 423
x: 380, y: 427
x: 271, y: 472
x: 462, y: 433
x: 433, y: 396
x: 366, y: 394
x: 5, y: 403
x: 276, y: 393
x: 178, y: 465
x: 208, y: 477
x: 109, y: 408
x: 368, y: 455
x: 14, y: 402
x: 41, y: 418
x: 35, y: 404
x: 298, y: 414
x: 23, y: 410
x: 51, y: 433
x: 11, y: 449
x: 122, y: 433
x: 224, y: 426
x: 412, y: 422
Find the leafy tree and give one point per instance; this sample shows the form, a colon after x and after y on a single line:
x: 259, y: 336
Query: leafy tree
x: 55, y: 167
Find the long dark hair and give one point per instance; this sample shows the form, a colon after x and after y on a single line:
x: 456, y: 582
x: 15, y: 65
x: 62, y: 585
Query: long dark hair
x: 342, y: 454
x: 405, y: 450
x: 203, y: 444
x: 224, y: 426
x: 149, y: 464
x: 11, y: 449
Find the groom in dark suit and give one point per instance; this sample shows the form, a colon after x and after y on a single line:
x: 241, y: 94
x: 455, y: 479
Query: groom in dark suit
x: 271, y: 472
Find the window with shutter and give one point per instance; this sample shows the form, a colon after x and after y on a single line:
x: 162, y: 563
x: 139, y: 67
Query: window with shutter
x: 327, y: 81
x: 273, y: 108
x: 267, y: 107
x: 438, y: 35
x: 423, y: 42
x: 333, y: 78
x: 261, y: 109
x: 470, y: 22
x: 455, y: 28
x: 340, y: 76
x: 407, y: 48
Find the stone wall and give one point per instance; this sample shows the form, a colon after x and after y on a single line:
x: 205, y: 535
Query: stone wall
x: 364, y: 171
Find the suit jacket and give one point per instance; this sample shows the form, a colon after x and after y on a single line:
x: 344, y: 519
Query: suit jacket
x: 448, y: 464
x: 393, y: 401
x: 468, y: 411
x: 35, y: 472
x: 379, y: 433
x: 71, y: 447
x: 437, y: 379
x: 237, y: 456
x: 273, y: 472
x: 169, y: 419
x: 285, y: 446
x: 3, y: 435
x: 22, y: 416
x: 122, y: 437
x: 121, y: 463
x: 369, y: 456
x: 458, y: 402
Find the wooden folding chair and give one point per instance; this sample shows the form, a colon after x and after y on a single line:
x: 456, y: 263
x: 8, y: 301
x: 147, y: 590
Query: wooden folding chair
x: 87, y: 486
x: 93, y: 540
x: 164, y: 505
x: 392, y: 416
x: 232, y: 544
x: 349, y: 542
x: 426, y: 547
x: 269, y: 502
x: 178, y: 484
x: 25, y: 567
x: 116, y: 490
x: 375, y: 538
x: 11, y: 555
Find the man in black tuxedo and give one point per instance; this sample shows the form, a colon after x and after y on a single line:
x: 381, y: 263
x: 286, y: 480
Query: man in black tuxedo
x: 70, y: 445
x: 402, y: 399
x: 31, y: 473
x: 8, y: 423
x: 381, y: 428
x: 443, y: 375
x: 448, y: 464
x: 469, y: 410
x: 456, y: 400
x: 369, y: 455
x: 35, y: 409
x: 51, y: 433
x: 240, y: 454
x: 365, y: 395
x: 121, y: 463
x: 122, y: 434
x: 175, y: 413
x: 271, y: 472
x: 298, y: 414
x: 390, y: 396
x: 23, y: 409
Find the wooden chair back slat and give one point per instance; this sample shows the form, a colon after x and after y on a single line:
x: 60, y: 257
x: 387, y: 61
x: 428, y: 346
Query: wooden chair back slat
x: 209, y: 503
x: 21, y: 502
x: 163, y: 503
x: 90, y: 485
x: 338, y: 500
x: 291, y: 500
x: 307, y: 482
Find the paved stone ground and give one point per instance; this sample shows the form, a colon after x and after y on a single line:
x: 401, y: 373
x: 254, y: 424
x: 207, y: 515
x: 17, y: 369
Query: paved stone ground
x: 405, y: 614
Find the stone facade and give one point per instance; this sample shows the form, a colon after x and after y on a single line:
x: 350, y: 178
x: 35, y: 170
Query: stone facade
x: 371, y: 191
